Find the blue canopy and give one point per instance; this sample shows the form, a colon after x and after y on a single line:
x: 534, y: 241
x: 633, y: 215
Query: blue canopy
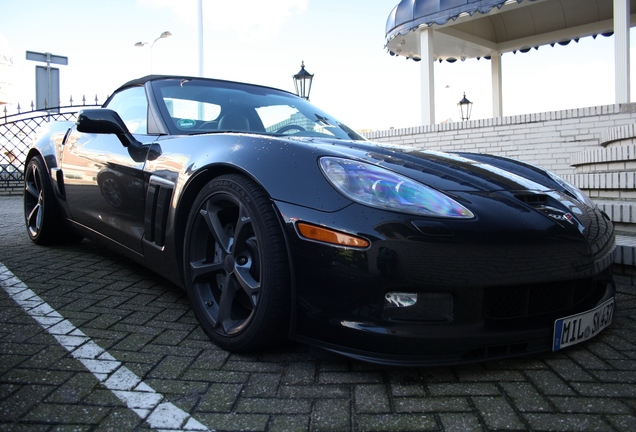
x: 410, y: 14
x: 476, y: 28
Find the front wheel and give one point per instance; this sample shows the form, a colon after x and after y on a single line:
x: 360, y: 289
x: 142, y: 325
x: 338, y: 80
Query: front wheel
x: 236, y: 266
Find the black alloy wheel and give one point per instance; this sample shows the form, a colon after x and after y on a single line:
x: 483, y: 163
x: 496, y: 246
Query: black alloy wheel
x: 236, y: 266
x: 43, y: 221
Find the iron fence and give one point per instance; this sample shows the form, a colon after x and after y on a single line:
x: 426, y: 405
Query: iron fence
x: 17, y: 132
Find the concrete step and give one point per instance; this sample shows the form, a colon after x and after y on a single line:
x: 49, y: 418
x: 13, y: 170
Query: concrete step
x: 625, y: 249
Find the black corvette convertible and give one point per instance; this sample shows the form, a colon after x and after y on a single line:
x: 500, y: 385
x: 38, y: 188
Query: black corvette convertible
x: 283, y: 223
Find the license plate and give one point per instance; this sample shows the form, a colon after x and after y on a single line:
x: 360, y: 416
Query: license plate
x: 581, y: 327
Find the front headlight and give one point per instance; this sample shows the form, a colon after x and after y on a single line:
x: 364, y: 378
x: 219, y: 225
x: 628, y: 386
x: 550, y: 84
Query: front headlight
x: 378, y: 187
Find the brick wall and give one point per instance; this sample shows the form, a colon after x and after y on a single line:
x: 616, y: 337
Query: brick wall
x: 11, y: 187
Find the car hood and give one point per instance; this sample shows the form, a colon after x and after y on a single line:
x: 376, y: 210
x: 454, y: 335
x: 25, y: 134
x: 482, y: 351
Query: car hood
x: 442, y: 171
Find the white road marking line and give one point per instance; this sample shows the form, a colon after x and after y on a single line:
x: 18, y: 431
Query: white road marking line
x: 128, y: 387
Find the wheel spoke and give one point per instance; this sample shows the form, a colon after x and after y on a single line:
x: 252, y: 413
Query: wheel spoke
x: 248, y: 284
x: 226, y: 303
x: 211, y: 216
x: 201, y: 268
x: 241, y: 230
x: 32, y: 190
x: 243, y: 271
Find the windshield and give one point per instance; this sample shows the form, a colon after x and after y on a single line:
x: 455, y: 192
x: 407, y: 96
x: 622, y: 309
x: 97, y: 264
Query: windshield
x: 196, y: 106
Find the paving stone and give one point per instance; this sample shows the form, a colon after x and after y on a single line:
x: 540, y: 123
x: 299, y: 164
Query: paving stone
x: 549, y: 383
x: 262, y: 385
x: 331, y: 415
x: 590, y: 405
x: 569, y: 423
x: 120, y: 419
x: 371, y: 398
x: 525, y: 397
x: 214, y: 376
x: 489, y: 376
x: 626, y: 390
x: 497, y: 413
x: 234, y: 364
x: 274, y: 406
x: 623, y: 422
x: 300, y: 373
x: 177, y: 387
x: 170, y: 367
x: 316, y: 391
x: 210, y: 359
x: 468, y: 389
x: 235, y: 422
x: 460, y: 422
x: 220, y: 398
x: 390, y: 423
x: 349, y: 378
x: 28, y: 376
x: 432, y: 404
x: 289, y: 423
x: 66, y: 414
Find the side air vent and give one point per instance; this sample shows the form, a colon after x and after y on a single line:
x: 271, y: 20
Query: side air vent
x: 158, y: 200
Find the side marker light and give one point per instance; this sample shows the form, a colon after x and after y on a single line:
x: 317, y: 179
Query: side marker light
x: 327, y: 235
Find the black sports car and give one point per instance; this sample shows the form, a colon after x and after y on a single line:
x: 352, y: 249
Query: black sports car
x: 283, y: 223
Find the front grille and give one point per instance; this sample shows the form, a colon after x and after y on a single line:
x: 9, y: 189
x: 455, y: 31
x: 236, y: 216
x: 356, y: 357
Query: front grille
x: 547, y: 299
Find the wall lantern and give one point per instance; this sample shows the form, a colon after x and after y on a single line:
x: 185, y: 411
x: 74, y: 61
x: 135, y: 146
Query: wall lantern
x: 465, y: 107
x: 302, y: 82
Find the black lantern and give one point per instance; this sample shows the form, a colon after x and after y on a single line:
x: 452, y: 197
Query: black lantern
x: 465, y: 107
x: 302, y: 81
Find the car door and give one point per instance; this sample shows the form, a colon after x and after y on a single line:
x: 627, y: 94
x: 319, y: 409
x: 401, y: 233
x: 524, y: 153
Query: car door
x: 104, y: 182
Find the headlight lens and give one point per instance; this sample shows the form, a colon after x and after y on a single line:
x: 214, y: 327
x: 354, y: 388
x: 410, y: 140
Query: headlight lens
x: 378, y: 187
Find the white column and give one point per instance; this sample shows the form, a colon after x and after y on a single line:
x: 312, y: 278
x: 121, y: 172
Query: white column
x: 497, y: 94
x: 621, y: 50
x: 427, y: 76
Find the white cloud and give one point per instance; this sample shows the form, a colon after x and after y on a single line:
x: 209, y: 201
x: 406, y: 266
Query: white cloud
x: 247, y: 18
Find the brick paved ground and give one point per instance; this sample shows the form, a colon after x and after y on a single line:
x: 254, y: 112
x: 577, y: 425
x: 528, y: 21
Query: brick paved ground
x: 146, y: 325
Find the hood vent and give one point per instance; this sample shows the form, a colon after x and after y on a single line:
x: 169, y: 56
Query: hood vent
x: 533, y: 199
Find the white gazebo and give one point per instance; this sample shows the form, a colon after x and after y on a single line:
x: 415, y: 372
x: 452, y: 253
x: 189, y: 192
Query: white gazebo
x: 438, y: 30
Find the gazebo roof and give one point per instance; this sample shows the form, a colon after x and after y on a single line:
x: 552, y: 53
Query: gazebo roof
x: 477, y: 28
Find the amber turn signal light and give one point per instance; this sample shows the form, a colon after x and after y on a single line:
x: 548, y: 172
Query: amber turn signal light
x: 326, y: 235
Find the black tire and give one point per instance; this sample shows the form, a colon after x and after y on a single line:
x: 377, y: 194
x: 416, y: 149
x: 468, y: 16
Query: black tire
x: 43, y: 220
x: 236, y: 266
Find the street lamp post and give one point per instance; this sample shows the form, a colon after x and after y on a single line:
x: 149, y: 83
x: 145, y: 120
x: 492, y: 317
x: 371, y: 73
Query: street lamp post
x: 161, y: 36
x: 465, y: 107
x: 302, y: 82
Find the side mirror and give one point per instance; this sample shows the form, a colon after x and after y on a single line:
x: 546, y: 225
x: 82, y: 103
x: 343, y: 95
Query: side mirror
x: 105, y: 121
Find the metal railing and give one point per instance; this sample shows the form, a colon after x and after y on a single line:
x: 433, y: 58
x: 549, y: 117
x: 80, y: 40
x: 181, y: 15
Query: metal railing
x: 18, y: 130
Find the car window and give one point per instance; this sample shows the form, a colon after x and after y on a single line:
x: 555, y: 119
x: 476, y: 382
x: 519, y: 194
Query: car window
x: 132, y: 106
x: 188, y: 113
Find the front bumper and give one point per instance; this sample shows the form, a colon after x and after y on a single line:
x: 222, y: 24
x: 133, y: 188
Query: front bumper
x: 493, y: 286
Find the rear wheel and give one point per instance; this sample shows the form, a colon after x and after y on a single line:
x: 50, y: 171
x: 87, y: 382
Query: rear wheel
x: 236, y: 266
x: 43, y: 220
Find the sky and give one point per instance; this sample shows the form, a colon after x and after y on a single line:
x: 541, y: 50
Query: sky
x: 264, y: 42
